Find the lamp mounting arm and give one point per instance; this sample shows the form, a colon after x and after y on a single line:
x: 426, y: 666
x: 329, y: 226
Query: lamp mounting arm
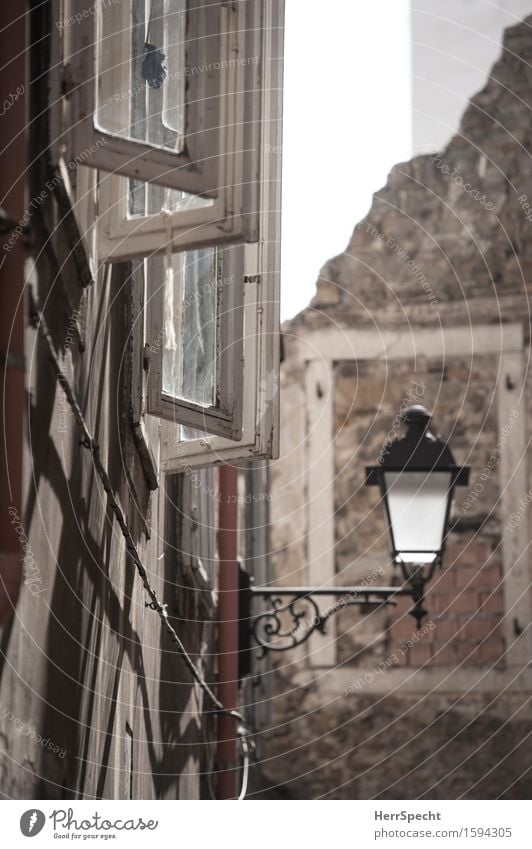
x: 293, y: 614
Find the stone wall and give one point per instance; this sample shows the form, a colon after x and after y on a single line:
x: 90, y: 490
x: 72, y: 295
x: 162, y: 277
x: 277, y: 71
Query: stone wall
x: 400, y: 747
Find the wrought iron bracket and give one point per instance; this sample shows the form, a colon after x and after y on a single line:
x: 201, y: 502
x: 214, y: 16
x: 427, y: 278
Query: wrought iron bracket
x: 294, y: 613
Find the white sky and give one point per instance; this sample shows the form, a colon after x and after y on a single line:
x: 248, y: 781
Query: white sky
x: 346, y: 122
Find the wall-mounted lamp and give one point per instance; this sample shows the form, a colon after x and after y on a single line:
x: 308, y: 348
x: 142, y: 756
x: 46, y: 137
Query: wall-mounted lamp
x: 417, y: 476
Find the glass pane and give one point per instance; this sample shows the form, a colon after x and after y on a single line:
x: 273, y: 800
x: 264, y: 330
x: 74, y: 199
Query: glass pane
x: 417, y: 502
x: 150, y: 199
x: 174, y: 91
x: 190, y: 322
x: 141, y: 88
x: 189, y: 434
x: 141, y: 70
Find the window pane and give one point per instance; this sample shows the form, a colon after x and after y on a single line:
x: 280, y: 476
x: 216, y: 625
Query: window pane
x: 190, y: 323
x: 189, y: 434
x: 417, y: 502
x: 150, y: 199
x: 174, y: 91
x: 141, y: 70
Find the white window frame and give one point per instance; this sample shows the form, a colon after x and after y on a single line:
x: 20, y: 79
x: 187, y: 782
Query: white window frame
x: 258, y: 388
x: 260, y: 398
x: 120, y: 237
x: 261, y: 347
x: 223, y: 418
x: 221, y: 164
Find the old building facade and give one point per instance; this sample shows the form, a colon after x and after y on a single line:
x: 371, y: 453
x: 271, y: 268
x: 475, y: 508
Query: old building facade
x: 140, y: 319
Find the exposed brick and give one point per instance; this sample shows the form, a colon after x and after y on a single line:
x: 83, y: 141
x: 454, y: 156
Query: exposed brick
x: 490, y: 602
x: 476, y: 554
x: 442, y: 603
x: 443, y: 654
x: 447, y: 577
x: 480, y: 626
x: 490, y: 578
x: 401, y: 655
x: 446, y: 629
x: 419, y: 655
x: 404, y: 628
x: 491, y: 651
x: 467, y: 575
x: 465, y: 601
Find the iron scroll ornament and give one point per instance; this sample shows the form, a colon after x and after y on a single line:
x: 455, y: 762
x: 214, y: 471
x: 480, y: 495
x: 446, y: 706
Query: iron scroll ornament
x: 270, y: 633
x: 294, y: 614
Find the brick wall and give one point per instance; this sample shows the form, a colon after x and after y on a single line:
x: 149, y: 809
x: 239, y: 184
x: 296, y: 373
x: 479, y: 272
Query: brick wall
x: 463, y: 626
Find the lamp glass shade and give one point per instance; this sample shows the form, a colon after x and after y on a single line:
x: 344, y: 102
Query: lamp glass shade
x: 417, y: 508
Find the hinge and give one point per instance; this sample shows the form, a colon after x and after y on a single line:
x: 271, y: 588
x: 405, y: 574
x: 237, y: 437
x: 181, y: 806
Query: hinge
x: 146, y: 357
x: 227, y: 224
x: 67, y: 82
x: 251, y: 263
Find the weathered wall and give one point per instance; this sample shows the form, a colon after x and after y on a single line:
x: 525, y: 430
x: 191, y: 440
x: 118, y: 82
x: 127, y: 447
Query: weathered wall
x: 400, y: 747
x: 85, y: 663
x: 94, y: 700
x: 428, y: 304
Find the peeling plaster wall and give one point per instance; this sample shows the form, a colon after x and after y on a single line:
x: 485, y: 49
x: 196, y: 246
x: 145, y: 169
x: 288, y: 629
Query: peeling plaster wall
x: 94, y: 700
x: 86, y: 665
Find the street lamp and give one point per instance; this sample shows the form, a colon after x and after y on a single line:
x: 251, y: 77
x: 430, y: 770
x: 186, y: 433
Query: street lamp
x: 416, y: 476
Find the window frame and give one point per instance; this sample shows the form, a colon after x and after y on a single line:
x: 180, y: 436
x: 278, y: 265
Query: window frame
x: 120, y: 238
x: 195, y: 171
x: 225, y: 417
x: 222, y: 163
x: 260, y: 395
x: 261, y: 348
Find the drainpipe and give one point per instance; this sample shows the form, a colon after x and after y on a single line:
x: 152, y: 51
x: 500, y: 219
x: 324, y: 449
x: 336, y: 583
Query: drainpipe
x: 227, y: 631
x: 13, y: 91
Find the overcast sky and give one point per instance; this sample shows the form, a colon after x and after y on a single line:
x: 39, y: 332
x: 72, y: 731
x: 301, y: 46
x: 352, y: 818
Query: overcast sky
x: 346, y: 122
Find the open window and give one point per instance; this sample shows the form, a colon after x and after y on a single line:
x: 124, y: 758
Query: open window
x: 175, y: 108
x: 194, y: 350
x: 182, y: 448
x: 166, y: 93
